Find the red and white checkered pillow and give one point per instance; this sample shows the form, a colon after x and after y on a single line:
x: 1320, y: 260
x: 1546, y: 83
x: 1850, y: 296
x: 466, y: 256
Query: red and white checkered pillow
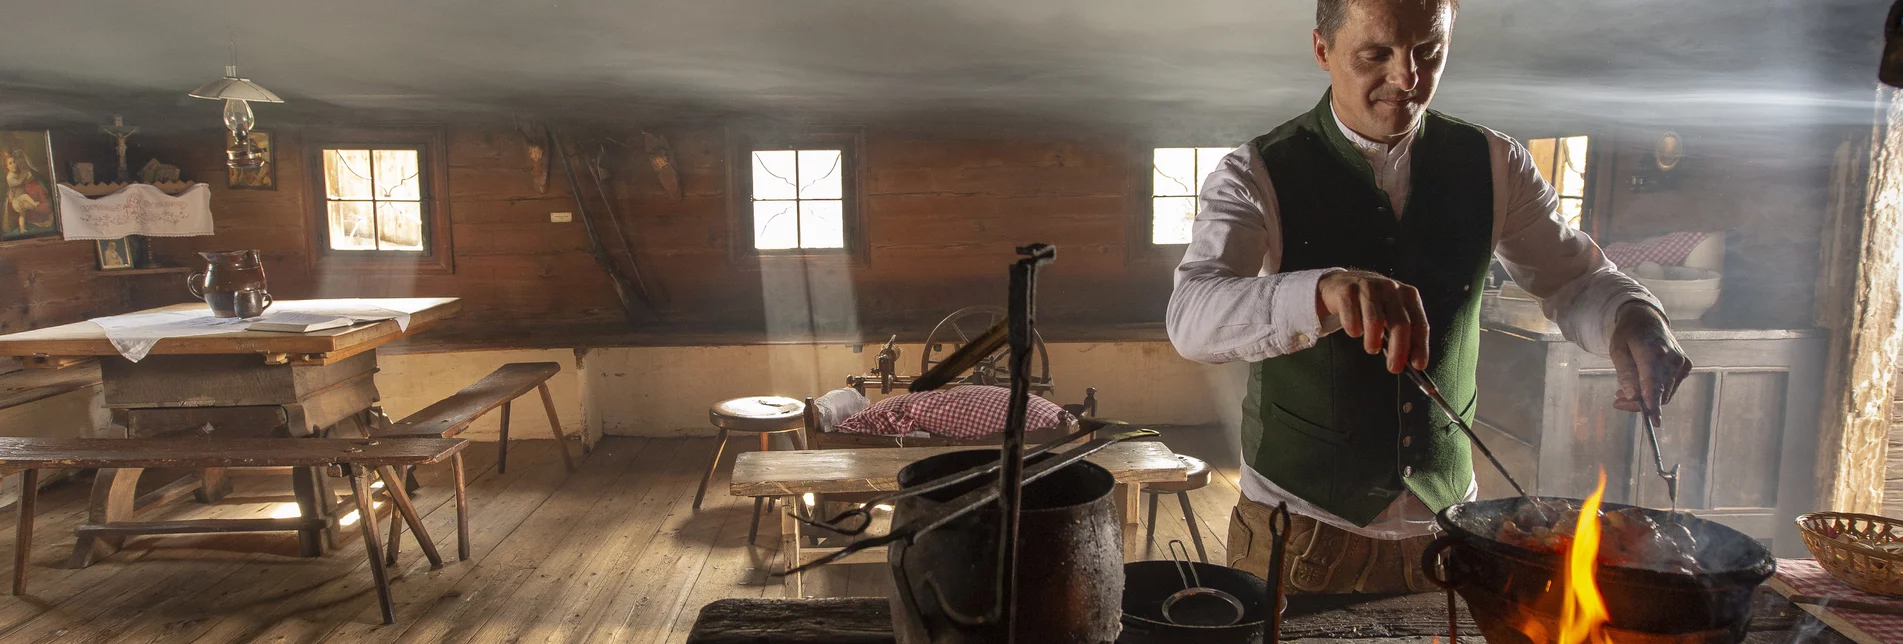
x: 971, y: 411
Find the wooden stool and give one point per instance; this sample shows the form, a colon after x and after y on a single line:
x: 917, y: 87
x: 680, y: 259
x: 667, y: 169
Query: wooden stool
x: 763, y: 415
x: 1198, y: 478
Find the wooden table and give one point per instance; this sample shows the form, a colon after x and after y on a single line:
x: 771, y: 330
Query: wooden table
x: 239, y: 384
x: 789, y: 475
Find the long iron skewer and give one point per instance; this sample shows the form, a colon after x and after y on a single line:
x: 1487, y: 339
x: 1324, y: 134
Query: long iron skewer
x: 1427, y: 386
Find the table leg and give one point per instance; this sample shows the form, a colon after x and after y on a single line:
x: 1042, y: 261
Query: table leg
x: 1128, y: 504
x: 790, y: 546
x: 312, y: 491
x: 114, y: 493
x: 213, y: 485
x: 23, y: 535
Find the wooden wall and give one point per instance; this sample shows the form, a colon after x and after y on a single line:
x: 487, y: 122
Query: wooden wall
x: 47, y: 281
x: 943, y: 213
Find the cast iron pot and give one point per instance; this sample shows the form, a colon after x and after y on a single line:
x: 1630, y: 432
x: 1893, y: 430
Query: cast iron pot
x: 1514, y: 593
x: 1147, y: 583
x: 1070, y: 559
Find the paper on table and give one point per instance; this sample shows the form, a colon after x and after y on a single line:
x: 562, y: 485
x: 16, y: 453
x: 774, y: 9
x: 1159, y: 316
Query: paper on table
x: 359, y: 309
x: 133, y: 335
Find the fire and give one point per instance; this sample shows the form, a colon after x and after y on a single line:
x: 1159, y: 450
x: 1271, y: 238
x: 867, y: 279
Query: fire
x: 1583, y: 610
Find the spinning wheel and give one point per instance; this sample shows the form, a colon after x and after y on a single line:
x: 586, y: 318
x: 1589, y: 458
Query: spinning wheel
x: 961, y: 326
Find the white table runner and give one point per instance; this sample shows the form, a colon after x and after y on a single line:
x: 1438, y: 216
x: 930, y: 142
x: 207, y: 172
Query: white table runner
x: 134, y: 335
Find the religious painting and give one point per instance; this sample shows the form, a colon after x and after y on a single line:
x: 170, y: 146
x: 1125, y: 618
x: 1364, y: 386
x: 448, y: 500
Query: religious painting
x: 263, y: 177
x: 115, y: 254
x: 31, y: 208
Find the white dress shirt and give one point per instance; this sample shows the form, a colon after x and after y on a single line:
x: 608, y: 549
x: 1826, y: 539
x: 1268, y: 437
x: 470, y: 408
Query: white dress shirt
x: 1232, y: 302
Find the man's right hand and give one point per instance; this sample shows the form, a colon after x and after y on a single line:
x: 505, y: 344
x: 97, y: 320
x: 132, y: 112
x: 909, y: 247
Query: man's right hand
x: 1377, y: 309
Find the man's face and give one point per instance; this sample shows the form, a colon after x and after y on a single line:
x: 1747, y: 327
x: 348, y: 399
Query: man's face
x: 1385, y: 62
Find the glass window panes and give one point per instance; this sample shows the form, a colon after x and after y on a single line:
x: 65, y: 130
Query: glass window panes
x: 375, y: 199
x: 1176, y: 178
x: 799, y: 199
x: 1562, y: 163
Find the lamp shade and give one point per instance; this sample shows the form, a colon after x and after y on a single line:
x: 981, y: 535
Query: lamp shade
x: 231, y: 87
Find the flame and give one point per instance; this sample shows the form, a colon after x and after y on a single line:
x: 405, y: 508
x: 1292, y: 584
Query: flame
x: 1583, y: 610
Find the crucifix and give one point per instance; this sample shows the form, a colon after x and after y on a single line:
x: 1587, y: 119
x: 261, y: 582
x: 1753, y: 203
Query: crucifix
x: 119, y: 131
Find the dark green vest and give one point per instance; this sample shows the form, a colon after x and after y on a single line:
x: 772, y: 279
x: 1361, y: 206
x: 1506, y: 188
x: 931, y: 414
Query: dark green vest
x: 1329, y: 423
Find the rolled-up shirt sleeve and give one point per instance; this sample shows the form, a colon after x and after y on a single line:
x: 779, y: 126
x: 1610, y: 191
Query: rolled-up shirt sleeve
x: 1230, y: 303
x: 1577, y: 287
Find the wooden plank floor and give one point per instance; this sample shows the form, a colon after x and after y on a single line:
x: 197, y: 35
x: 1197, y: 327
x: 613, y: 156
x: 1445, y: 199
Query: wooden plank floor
x: 611, y: 553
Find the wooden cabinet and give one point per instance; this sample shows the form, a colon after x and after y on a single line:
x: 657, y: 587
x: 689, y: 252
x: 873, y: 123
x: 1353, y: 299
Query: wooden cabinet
x: 1743, y: 426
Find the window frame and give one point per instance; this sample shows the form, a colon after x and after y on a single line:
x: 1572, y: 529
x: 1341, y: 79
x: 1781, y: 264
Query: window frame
x: 431, y: 144
x: 1142, y: 216
x: 849, y: 141
x: 1595, y: 143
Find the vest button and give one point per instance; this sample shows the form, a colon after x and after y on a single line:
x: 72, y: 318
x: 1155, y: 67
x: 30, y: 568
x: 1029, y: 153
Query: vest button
x: 1407, y: 408
x: 1466, y: 287
x: 1407, y: 441
x: 1407, y: 472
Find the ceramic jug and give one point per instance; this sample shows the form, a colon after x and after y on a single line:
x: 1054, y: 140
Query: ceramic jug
x: 227, y: 272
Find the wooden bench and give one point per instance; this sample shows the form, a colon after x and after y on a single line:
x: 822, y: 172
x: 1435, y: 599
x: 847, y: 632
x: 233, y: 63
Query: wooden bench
x: 450, y: 416
x: 789, y: 475
x: 350, y: 458
x: 32, y: 385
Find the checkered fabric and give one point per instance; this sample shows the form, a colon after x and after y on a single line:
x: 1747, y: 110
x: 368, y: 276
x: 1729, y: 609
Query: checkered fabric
x: 1808, y: 578
x: 1670, y: 250
x: 971, y: 411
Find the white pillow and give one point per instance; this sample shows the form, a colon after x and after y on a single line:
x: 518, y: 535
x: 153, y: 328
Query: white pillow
x: 838, y: 405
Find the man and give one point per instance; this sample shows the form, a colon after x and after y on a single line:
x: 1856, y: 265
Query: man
x: 1351, y: 243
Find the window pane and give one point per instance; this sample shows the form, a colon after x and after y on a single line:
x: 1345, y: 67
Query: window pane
x: 351, y: 225
x: 1542, y: 152
x: 1571, y: 210
x: 1572, y: 172
x: 397, y: 176
x: 775, y: 224
x: 399, y: 225
x: 773, y: 172
x: 1206, y: 161
x: 347, y: 174
x: 1174, y: 173
x: 1170, y: 219
x: 820, y: 172
x: 822, y: 224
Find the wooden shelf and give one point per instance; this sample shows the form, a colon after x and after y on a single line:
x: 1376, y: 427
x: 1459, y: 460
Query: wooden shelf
x: 158, y: 270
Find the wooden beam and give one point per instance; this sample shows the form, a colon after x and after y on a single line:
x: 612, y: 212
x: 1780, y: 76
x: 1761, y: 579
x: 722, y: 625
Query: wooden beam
x: 1858, y: 302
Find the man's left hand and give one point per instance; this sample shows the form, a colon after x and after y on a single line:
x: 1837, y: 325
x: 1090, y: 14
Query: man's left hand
x: 1648, y: 359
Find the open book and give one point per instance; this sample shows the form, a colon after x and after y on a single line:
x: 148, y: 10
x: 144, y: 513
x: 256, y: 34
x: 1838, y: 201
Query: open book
x: 288, y: 322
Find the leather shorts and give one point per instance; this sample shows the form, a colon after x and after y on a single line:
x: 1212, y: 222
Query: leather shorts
x: 1323, y: 559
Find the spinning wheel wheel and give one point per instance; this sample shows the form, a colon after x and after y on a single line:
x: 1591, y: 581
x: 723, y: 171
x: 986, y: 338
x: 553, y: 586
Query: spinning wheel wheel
x: 964, y: 324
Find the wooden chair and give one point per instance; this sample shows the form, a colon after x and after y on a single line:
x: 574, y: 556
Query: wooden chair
x: 1198, y: 478
x: 450, y: 416
x: 349, y: 458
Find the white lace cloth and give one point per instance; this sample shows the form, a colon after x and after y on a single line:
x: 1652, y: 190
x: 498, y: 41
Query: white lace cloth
x: 137, y: 209
x: 133, y: 335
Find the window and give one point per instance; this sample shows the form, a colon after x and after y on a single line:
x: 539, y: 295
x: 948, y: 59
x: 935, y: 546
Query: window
x: 1562, y: 162
x: 798, y: 199
x: 1176, y: 177
x: 376, y: 199
x: 796, y: 194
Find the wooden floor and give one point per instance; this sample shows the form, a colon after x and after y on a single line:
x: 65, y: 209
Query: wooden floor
x: 611, y: 553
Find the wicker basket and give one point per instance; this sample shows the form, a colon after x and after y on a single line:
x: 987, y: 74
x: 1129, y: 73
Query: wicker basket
x: 1862, y: 550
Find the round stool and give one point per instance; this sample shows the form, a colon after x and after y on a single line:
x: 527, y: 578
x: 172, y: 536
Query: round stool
x: 763, y: 415
x: 1198, y: 478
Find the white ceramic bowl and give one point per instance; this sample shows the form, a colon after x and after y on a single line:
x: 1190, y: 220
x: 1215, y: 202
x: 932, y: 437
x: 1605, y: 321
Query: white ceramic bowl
x: 1686, y: 293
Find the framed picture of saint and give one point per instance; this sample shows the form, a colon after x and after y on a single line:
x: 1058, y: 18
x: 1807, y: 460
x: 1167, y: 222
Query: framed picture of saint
x: 116, y: 254
x: 31, y: 207
x: 263, y: 177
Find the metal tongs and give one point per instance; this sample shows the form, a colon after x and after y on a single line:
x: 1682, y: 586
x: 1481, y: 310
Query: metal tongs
x: 1658, y: 461
x: 1427, y: 386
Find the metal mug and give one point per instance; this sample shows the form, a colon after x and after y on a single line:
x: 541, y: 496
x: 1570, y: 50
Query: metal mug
x: 250, y: 303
